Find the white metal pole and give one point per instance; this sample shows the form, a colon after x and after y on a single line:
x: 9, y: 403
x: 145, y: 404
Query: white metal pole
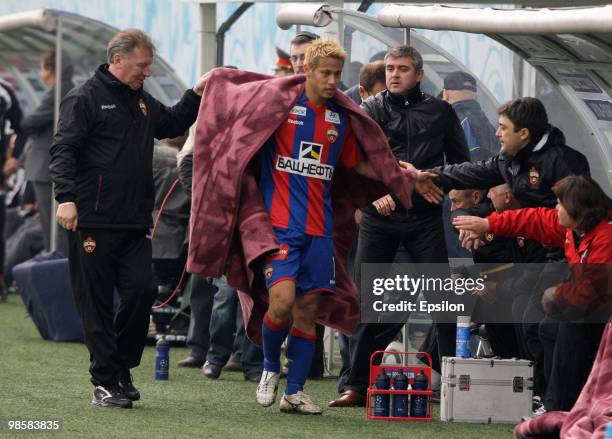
x: 208, y: 32
x: 56, y: 107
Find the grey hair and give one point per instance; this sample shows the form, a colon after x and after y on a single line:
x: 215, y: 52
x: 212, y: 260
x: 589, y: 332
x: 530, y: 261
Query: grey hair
x: 126, y: 41
x: 403, y: 51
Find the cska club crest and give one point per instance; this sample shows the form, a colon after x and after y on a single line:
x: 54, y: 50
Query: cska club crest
x: 534, y: 176
x: 143, y: 107
x: 268, y: 270
x: 89, y: 245
x: 332, y: 135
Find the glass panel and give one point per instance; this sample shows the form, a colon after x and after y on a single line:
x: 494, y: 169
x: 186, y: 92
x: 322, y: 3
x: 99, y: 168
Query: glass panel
x: 364, y: 49
x: 566, y: 115
x: 605, y: 38
x: 537, y: 47
x: 577, y: 79
x: 585, y: 50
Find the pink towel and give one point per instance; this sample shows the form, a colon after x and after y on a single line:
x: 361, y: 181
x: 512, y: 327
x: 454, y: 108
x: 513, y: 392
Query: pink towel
x: 592, y: 411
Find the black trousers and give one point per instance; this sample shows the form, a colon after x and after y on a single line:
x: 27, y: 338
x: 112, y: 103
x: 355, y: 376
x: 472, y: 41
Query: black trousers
x: 533, y: 318
x: 100, y: 261
x: 379, y: 238
x: 497, y: 317
x: 201, y: 301
x: 569, y: 352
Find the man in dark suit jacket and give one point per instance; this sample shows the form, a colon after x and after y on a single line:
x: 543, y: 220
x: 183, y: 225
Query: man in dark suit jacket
x: 37, y: 130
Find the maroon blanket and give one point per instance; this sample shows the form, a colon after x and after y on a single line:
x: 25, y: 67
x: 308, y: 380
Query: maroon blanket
x: 230, y: 229
x: 592, y: 411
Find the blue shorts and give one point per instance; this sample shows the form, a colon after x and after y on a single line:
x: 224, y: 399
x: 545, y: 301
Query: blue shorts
x: 306, y: 260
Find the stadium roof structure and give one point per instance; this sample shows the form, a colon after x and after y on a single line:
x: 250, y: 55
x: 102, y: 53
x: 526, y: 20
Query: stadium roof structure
x: 25, y: 36
x: 537, y: 3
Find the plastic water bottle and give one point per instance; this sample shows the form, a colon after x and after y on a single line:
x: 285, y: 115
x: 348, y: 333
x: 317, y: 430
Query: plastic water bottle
x: 608, y: 431
x: 400, y: 402
x: 418, y: 403
x: 381, y: 402
x: 462, y: 348
x: 162, y: 359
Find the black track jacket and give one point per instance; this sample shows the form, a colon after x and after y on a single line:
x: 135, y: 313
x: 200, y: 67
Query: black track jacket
x: 102, y: 153
x: 531, y: 174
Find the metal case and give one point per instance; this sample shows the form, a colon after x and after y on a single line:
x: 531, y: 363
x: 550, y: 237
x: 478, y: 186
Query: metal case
x: 486, y: 390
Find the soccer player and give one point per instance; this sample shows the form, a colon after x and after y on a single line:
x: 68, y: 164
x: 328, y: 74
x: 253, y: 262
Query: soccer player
x: 297, y: 167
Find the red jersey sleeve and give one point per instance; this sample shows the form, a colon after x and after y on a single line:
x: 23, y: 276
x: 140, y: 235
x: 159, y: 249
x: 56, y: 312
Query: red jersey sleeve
x: 351, y: 154
x: 540, y: 224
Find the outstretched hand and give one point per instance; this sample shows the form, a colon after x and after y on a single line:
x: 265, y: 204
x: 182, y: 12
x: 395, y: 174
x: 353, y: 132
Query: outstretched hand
x: 424, y: 184
x: 475, y: 224
x: 471, y: 228
x: 470, y: 240
x: 427, y: 188
x: 409, y: 166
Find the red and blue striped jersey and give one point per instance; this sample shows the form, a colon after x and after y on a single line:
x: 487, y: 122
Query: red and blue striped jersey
x: 298, y: 164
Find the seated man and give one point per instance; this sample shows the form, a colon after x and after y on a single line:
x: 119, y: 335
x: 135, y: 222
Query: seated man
x: 500, y: 298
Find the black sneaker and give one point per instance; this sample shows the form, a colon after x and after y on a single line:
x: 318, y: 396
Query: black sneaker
x: 110, y: 396
x: 536, y: 403
x: 127, y: 387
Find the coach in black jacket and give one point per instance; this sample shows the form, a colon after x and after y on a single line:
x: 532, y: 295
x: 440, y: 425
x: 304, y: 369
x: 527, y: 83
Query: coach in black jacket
x: 532, y: 159
x: 101, y: 164
x: 424, y: 131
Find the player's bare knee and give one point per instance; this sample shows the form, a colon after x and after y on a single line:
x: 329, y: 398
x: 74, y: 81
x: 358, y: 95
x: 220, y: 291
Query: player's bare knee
x: 306, y: 309
x: 280, y: 309
x: 282, y: 299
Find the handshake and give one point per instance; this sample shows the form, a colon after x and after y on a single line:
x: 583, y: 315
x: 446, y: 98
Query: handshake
x: 424, y: 185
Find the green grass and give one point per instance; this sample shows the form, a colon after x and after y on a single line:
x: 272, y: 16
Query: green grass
x: 42, y: 380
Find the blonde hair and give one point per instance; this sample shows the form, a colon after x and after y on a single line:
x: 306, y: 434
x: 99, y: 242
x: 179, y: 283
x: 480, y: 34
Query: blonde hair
x: 323, y: 48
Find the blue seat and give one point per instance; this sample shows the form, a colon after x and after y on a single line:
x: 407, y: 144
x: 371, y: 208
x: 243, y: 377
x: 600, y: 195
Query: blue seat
x: 44, y: 284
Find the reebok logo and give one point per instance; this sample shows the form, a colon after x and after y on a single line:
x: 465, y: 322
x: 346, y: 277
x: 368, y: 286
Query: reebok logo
x: 108, y: 107
x: 295, y: 122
